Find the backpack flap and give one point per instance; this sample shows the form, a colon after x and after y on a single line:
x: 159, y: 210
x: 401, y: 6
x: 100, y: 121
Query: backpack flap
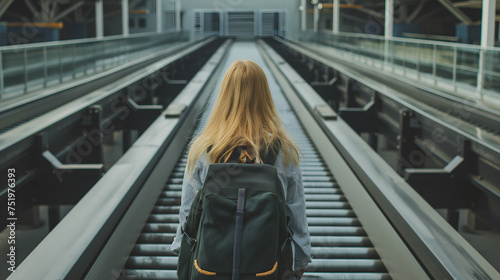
x: 263, y: 212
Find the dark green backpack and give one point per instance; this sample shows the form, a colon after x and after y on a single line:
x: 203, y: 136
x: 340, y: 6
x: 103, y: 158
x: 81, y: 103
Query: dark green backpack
x: 237, y: 227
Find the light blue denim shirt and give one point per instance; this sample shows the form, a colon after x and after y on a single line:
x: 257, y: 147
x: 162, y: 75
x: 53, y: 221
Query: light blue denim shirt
x: 291, y: 180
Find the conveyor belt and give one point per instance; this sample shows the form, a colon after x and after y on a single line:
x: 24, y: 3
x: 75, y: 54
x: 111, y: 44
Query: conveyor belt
x: 340, y: 247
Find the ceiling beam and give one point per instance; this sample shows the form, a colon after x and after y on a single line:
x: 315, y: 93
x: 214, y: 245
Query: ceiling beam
x: 354, y: 18
x: 429, y: 14
x: 469, y: 4
x: 415, y: 13
x: 31, y: 7
x: 4, y: 5
x: 456, y: 12
x: 372, y: 13
x: 45, y: 13
x: 53, y: 11
x: 474, y: 4
x: 68, y: 11
x: 134, y: 3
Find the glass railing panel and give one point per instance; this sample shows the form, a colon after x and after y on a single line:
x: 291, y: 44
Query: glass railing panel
x: 492, y: 72
x: 109, y: 59
x: 13, y: 69
x: 411, y: 54
x: 448, y: 66
x: 80, y: 60
x: 444, y: 62
x: 26, y: 68
x: 54, y: 66
x: 68, y: 58
x: 35, y: 69
x: 425, y: 59
x: 467, y: 66
x: 397, y: 53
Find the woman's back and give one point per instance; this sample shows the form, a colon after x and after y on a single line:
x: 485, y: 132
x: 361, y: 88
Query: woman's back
x: 244, y: 126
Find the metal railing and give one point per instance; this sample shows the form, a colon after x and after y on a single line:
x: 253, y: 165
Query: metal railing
x: 32, y: 67
x: 452, y: 67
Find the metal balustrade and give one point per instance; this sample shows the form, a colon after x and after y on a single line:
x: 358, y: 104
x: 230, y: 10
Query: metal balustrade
x: 32, y: 67
x: 465, y: 70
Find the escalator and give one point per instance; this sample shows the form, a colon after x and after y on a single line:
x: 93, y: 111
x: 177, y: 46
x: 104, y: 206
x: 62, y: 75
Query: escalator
x: 340, y: 247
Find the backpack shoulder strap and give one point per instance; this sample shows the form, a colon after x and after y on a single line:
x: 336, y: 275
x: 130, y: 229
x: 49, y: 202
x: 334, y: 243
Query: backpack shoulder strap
x: 272, y: 154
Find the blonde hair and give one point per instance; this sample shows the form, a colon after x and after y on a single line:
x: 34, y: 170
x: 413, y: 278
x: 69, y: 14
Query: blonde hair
x: 243, y: 115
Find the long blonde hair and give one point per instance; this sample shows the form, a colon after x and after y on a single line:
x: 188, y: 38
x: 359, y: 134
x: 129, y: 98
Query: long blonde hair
x: 243, y: 115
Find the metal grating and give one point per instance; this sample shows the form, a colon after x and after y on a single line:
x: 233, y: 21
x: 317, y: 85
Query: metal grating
x: 268, y: 23
x: 273, y: 23
x: 240, y: 24
x: 198, y: 28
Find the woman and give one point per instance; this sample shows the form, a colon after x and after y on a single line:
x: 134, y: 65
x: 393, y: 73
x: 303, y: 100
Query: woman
x: 243, y: 126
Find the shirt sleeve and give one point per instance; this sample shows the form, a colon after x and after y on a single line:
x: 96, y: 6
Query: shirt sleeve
x: 189, y: 188
x: 296, y: 207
